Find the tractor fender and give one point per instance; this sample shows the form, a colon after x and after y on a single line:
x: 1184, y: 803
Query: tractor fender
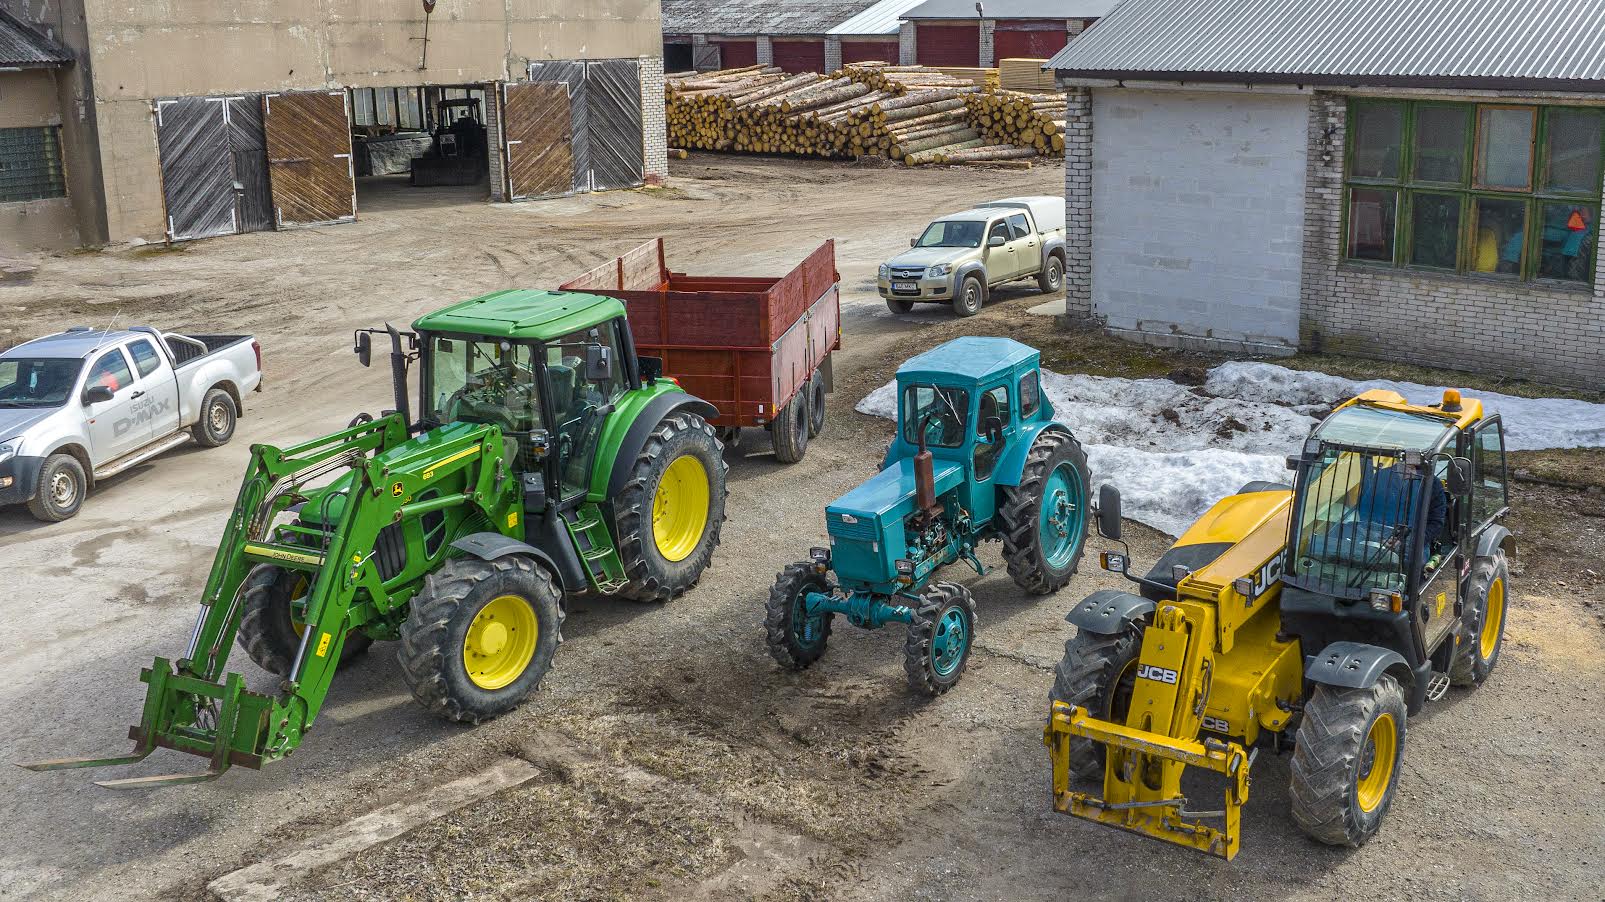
x: 1012, y: 466
x: 1493, y: 538
x: 1351, y: 665
x: 488, y: 546
x: 636, y: 436
x: 1108, y: 611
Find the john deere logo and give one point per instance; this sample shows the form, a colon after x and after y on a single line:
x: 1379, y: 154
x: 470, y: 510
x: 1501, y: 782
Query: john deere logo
x: 395, y: 490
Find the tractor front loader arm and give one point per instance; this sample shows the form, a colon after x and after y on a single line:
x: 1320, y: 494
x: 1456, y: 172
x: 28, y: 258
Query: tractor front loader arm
x: 193, y: 704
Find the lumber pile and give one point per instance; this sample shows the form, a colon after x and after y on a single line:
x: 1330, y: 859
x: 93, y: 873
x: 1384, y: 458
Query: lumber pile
x: 1027, y: 120
x: 1025, y: 75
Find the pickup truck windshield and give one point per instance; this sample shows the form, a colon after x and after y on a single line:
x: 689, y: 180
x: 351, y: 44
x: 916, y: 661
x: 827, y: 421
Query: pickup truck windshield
x: 37, y: 381
x: 953, y: 233
x: 480, y: 382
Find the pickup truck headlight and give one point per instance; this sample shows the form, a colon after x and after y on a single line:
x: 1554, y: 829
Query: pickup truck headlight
x: 885, y: 271
x: 938, y: 271
x: 9, y: 449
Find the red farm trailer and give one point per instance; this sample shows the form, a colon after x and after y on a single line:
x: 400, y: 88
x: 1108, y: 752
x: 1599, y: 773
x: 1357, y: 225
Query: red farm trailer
x: 758, y: 349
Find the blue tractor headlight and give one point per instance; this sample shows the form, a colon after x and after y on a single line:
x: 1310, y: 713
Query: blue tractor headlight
x: 820, y: 557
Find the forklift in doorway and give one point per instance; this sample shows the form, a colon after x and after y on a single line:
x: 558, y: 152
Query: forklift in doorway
x: 458, y: 153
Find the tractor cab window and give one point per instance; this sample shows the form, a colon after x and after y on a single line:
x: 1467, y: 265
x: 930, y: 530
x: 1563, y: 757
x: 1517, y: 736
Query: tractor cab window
x: 1030, y: 394
x: 584, y: 388
x: 1488, y: 472
x: 994, y: 413
x: 943, y: 413
x: 488, y: 381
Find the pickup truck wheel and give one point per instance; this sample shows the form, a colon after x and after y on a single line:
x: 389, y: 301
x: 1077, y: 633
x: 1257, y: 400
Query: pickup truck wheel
x: 898, y: 305
x: 1051, y: 278
x: 790, y: 429
x: 60, y: 491
x: 218, y: 414
x: 971, y: 294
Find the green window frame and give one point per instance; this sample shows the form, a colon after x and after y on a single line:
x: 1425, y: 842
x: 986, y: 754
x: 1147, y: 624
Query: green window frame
x: 1442, y: 187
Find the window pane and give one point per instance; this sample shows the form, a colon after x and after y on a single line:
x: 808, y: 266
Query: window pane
x: 110, y: 371
x: 1441, y: 143
x: 30, y: 164
x: 1435, y: 230
x: 1501, y: 234
x: 1030, y: 391
x: 1505, y: 147
x: 1372, y: 214
x: 1567, y: 248
x: 1574, y: 141
x: 1488, y: 481
x: 1378, y: 133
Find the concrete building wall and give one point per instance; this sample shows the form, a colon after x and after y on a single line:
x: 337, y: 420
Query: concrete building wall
x: 1197, y: 241
x: 28, y: 100
x: 1460, y: 322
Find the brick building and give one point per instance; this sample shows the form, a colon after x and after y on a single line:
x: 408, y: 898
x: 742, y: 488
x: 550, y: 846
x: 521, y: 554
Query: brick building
x: 1399, y: 183
x: 727, y: 34
x: 967, y: 33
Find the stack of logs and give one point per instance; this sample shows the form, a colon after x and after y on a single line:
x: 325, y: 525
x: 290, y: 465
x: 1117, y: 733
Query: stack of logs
x: 908, y: 113
x: 1028, y: 120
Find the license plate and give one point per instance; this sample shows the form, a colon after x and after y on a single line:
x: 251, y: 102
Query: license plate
x: 905, y: 286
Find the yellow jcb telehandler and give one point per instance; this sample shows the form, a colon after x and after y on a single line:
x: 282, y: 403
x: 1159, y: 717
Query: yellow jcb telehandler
x: 1314, y: 618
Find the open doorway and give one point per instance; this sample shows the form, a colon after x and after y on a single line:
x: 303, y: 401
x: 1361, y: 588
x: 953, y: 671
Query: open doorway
x: 420, y: 146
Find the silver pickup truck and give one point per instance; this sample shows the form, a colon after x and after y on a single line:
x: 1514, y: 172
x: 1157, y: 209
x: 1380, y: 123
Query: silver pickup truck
x: 82, y: 405
x: 960, y: 258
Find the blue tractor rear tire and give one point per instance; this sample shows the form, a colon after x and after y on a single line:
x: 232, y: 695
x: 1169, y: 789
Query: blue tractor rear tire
x: 939, y: 638
x: 1043, y: 520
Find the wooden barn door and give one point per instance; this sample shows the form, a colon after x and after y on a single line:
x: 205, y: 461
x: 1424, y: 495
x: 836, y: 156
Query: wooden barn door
x: 613, y: 92
x: 197, y: 176
x: 309, y: 158
x: 536, y: 126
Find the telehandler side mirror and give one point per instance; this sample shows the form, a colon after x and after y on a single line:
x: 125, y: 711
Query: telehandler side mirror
x: 598, y: 363
x: 364, y: 348
x: 1109, y: 512
x: 1459, y: 476
x: 96, y: 394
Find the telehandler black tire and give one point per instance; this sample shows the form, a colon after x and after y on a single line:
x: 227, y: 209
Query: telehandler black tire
x: 1482, y: 628
x: 780, y: 617
x: 267, y: 631
x: 467, y: 648
x: 1099, y: 673
x: 945, y: 615
x: 1339, y: 796
x: 1032, y: 562
x: 661, y: 567
x: 790, y: 429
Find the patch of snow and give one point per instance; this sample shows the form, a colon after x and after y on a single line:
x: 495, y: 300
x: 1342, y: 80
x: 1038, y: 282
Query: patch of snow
x: 1168, y: 490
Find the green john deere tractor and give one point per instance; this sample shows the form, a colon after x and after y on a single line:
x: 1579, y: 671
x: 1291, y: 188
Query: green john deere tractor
x: 546, y: 460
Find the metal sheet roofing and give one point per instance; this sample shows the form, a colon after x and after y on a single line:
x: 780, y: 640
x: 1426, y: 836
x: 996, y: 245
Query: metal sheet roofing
x: 1012, y: 9
x: 757, y: 17
x: 884, y: 17
x: 23, y: 47
x: 1426, y: 43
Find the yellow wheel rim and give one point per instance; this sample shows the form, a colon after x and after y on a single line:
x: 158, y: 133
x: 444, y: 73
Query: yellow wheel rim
x: 1493, y: 617
x: 500, y: 642
x: 302, y: 586
x: 680, y: 508
x: 1376, y: 763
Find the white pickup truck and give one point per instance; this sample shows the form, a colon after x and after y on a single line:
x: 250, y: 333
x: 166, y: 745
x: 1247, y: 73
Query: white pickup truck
x: 83, y: 405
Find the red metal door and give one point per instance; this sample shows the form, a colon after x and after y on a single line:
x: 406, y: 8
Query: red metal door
x: 869, y: 51
x: 736, y: 54
x: 1028, y: 42
x: 800, y: 56
x: 948, y: 45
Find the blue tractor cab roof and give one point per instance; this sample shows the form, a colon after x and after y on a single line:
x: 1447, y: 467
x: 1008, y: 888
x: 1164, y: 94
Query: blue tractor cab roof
x: 971, y: 358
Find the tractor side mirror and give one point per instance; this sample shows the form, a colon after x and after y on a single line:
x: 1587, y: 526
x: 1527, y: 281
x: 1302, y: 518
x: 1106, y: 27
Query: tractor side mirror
x: 995, y: 241
x: 364, y: 348
x: 993, y: 427
x: 95, y: 394
x: 651, y: 369
x: 598, y: 363
x: 1109, y: 512
x: 1459, y: 476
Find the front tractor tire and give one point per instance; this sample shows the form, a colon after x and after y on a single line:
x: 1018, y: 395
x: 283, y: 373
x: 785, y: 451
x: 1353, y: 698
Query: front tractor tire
x: 1044, y: 519
x: 795, y: 639
x: 671, y: 509
x: 1098, y: 673
x: 1345, y: 768
x: 939, y: 638
x: 480, y: 635
x: 1482, y: 629
x: 269, y: 632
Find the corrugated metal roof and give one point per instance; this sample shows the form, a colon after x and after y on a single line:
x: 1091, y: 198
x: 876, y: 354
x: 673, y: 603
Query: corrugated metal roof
x: 757, y: 16
x: 1428, y: 43
x: 22, y: 46
x: 1012, y: 9
x: 884, y: 17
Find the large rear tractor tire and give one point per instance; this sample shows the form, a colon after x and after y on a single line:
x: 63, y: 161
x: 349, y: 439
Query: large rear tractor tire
x: 1098, y: 673
x: 1345, y: 768
x: 1482, y: 629
x: 672, y: 508
x: 790, y: 429
x: 268, y: 631
x: 938, y: 645
x: 795, y: 639
x: 480, y: 636
x: 1044, y: 519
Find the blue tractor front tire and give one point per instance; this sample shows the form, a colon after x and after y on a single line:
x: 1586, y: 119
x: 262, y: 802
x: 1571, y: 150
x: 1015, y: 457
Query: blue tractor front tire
x: 796, y: 640
x: 939, y: 638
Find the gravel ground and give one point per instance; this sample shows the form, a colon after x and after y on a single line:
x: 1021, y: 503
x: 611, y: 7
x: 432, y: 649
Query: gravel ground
x: 678, y: 761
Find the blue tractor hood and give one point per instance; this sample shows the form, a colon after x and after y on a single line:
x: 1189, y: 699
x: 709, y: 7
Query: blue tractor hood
x: 866, y: 524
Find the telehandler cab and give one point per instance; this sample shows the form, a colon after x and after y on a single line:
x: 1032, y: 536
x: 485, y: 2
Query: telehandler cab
x: 977, y: 457
x: 547, y: 459
x: 1315, y: 617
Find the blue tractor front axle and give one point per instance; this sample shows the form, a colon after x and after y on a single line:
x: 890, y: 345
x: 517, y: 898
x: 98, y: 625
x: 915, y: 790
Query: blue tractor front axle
x: 868, y: 610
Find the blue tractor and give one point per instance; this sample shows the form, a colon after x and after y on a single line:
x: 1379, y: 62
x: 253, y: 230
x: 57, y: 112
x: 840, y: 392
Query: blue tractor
x: 977, y: 457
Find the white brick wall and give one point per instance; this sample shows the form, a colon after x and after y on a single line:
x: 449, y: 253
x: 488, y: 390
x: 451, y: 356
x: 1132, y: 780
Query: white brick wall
x: 906, y: 48
x: 988, y: 26
x: 1459, y: 322
x: 833, y: 54
x: 766, y: 51
x: 654, y: 124
x: 1078, y: 204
